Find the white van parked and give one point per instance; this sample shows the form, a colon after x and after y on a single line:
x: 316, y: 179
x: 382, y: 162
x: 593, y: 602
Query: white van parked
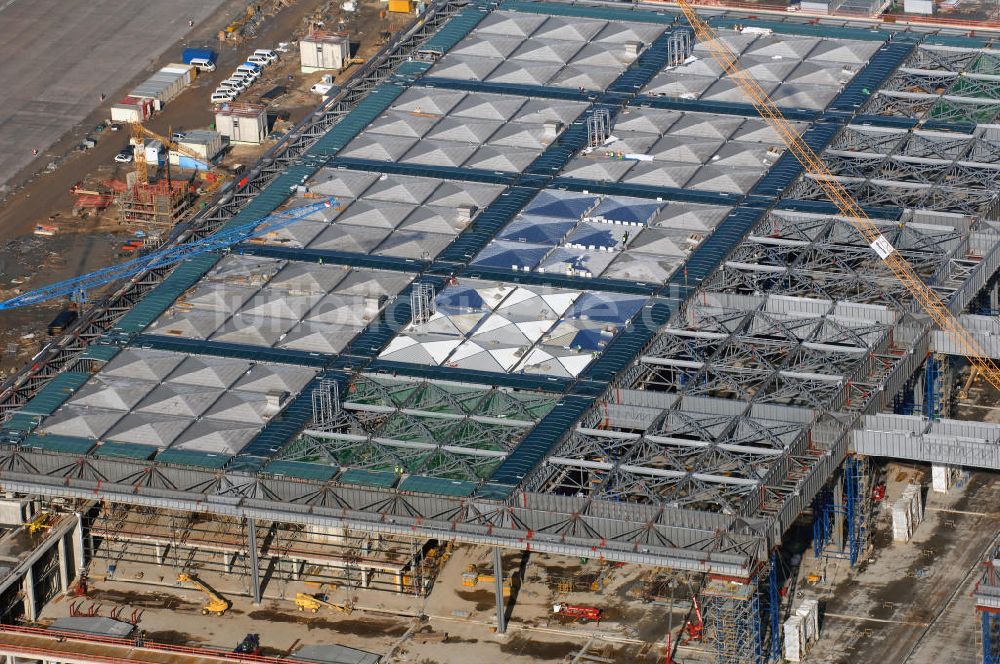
x: 266, y: 54
x: 222, y: 96
x: 247, y: 70
x: 201, y: 64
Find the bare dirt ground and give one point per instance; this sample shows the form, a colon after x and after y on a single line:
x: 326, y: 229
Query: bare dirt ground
x: 906, y: 600
x: 454, y: 625
x: 82, y: 245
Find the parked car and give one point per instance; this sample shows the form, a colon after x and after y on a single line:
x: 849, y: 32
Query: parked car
x: 259, y: 61
x: 202, y: 64
x: 177, y: 136
x: 247, y: 70
x: 267, y: 54
x: 126, y: 155
x: 221, y: 96
x: 235, y: 84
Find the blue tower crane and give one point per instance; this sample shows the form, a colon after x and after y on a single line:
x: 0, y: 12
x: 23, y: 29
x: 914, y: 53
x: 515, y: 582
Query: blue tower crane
x: 221, y: 240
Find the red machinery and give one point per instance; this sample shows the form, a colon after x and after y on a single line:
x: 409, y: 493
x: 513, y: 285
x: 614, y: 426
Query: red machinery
x: 878, y: 493
x: 577, y: 612
x: 694, y: 629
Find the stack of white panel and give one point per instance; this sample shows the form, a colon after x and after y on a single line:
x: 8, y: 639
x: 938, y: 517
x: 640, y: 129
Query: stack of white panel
x: 901, y: 527
x: 907, y: 513
x: 794, y: 638
x: 943, y: 477
x: 809, y: 612
x: 916, y: 498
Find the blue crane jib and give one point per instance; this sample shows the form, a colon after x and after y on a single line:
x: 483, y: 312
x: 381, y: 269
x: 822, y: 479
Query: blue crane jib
x: 164, y: 257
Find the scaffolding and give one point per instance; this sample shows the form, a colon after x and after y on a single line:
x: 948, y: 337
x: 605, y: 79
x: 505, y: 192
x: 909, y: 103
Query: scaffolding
x: 154, y: 207
x: 422, y: 303
x: 598, y: 127
x: 843, y: 513
x: 326, y: 409
x: 678, y: 47
x: 734, y: 624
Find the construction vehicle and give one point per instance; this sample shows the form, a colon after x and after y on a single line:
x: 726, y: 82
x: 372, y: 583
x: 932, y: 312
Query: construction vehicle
x: 215, y: 177
x: 250, y: 645
x: 577, y: 612
x: 307, y: 602
x: 693, y: 630
x: 928, y: 300
x: 42, y: 521
x: 164, y: 257
x: 216, y: 604
x: 471, y: 578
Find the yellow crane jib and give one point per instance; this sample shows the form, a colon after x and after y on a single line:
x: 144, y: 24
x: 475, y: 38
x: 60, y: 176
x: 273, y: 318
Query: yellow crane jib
x: 42, y: 521
x: 926, y: 298
x: 307, y: 602
x: 216, y: 604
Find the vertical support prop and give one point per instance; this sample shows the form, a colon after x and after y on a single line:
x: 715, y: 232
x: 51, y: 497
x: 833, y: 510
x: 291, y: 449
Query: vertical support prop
x: 774, y: 599
x: 991, y: 637
x: 498, y: 580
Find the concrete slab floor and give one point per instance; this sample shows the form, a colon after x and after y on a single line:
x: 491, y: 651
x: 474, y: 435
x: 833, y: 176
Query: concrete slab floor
x: 909, y: 602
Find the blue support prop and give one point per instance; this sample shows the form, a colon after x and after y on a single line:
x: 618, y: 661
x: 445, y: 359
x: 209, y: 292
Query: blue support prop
x: 905, y: 401
x: 991, y: 637
x: 825, y: 511
x: 932, y: 388
x: 775, y: 608
x: 758, y: 630
x: 822, y: 522
x: 852, y: 482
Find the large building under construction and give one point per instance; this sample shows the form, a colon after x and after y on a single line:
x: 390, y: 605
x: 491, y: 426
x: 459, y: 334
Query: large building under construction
x: 574, y: 298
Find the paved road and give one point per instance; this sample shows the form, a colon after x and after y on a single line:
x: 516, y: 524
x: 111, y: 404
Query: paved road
x: 57, y: 57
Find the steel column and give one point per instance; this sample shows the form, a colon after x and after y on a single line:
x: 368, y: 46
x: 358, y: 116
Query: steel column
x: 498, y: 581
x: 254, y: 570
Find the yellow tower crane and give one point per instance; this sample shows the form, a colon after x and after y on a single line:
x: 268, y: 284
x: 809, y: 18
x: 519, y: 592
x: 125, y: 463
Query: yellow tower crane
x: 928, y: 300
x: 139, y: 136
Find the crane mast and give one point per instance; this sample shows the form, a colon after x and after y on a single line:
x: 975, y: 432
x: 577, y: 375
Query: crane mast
x: 926, y: 298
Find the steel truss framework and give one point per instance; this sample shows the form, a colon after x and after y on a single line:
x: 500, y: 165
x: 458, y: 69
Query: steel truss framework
x: 450, y: 430
x: 288, y: 152
x: 822, y: 256
x: 945, y: 84
x: 743, y: 405
x: 945, y: 171
x: 577, y: 526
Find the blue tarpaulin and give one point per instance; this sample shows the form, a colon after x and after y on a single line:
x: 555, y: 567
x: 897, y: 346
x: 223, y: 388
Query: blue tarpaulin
x: 627, y: 210
x: 509, y: 255
x: 537, y: 230
x: 565, y: 204
x: 606, y: 307
x: 590, y: 340
x: 459, y: 299
x: 592, y: 236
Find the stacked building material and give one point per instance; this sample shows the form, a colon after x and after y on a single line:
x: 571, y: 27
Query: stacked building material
x: 907, y: 513
x: 794, y: 638
x: 943, y: 477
